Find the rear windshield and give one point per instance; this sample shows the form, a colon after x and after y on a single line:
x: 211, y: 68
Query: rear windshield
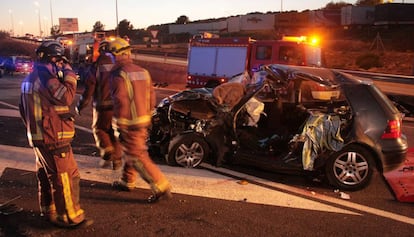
x: 369, y: 97
x: 387, y: 102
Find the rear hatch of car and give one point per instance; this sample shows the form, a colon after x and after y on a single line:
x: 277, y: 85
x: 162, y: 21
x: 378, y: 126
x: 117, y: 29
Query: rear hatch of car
x: 380, y: 122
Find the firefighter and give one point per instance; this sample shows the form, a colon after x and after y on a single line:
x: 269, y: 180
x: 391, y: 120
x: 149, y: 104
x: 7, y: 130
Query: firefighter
x: 97, y: 86
x: 134, y: 100
x: 46, y: 96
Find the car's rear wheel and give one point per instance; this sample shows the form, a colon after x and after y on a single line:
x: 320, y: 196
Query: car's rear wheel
x: 187, y: 150
x: 350, y: 169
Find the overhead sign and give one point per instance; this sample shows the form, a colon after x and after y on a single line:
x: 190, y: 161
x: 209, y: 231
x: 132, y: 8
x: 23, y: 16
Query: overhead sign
x: 68, y: 24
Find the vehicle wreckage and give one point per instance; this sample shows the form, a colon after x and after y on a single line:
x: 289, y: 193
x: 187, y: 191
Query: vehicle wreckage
x: 304, y: 120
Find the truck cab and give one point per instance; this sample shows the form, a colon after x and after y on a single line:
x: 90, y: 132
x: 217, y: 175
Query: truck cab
x: 212, y: 61
x: 284, y: 52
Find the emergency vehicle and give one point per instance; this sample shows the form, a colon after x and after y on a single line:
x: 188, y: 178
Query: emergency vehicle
x: 84, y: 48
x: 212, y: 61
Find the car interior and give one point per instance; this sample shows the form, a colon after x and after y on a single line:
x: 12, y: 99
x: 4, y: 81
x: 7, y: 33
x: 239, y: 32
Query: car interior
x: 286, y: 111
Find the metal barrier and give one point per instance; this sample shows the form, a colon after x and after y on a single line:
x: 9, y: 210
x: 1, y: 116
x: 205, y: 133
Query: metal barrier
x: 382, y: 76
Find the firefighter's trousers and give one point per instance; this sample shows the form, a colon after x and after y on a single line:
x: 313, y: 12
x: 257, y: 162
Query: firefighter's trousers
x: 104, y: 134
x: 58, y: 182
x: 138, y: 161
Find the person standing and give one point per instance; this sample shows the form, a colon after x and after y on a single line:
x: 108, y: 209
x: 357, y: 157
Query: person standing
x: 97, y: 86
x: 134, y: 100
x: 46, y: 96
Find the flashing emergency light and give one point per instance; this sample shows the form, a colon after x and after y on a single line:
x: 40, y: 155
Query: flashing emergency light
x: 313, y: 40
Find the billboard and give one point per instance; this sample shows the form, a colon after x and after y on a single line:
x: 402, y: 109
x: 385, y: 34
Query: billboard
x: 68, y: 24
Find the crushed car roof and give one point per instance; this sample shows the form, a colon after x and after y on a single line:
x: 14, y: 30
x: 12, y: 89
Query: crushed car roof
x: 325, y: 76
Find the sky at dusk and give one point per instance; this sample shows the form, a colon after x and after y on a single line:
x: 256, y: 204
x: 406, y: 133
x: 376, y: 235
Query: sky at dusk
x: 29, y: 16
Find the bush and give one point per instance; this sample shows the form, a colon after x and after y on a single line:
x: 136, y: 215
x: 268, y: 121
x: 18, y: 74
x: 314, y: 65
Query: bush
x: 4, y: 35
x: 369, y: 60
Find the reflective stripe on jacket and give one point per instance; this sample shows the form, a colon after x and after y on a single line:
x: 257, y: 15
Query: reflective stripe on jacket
x: 133, y: 95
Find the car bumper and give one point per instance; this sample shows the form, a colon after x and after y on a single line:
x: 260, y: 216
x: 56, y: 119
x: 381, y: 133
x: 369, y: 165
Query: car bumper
x: 395, y: 154
x: 392, y: 160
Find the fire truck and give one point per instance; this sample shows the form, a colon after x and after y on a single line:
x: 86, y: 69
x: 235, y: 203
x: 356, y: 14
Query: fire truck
x: 212, y: 61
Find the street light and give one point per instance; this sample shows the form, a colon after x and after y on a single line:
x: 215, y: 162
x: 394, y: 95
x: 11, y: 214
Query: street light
x: 45, y: 25
x: 51, y: 13
x: 21, y: 28
x: 117, y: 27
x: 12, y: 22
x: 38, y: 14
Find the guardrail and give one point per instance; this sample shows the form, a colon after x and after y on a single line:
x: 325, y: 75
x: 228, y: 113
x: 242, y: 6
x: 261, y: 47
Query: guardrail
x: 382, y: 76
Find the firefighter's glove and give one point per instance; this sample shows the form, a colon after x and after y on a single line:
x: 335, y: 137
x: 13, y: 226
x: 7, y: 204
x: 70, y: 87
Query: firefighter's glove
x: 77, y: 110
x: 46, y: 72
x: 79, y: 106
x: 66, y: 66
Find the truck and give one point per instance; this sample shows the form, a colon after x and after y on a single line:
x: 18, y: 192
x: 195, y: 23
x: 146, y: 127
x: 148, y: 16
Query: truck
x: 212, y: 61
x: 82, y: 50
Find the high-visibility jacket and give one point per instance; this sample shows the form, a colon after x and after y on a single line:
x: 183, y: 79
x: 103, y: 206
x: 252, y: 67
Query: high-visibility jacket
x: 97, y: 85
x: 45, y: 108
x: 132, y: 94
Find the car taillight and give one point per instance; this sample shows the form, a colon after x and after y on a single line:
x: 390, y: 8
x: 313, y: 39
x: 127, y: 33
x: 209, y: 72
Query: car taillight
x: 393, y: 130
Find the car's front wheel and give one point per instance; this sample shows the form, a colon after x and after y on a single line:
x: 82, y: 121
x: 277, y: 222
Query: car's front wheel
x: 350, y: 169
x: 187, y: 150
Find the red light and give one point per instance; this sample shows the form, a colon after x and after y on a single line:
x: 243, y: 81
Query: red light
x: 393, y: 130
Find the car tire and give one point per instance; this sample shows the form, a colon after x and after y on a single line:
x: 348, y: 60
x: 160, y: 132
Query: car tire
x: 187, y: 150
x: 350, y: 168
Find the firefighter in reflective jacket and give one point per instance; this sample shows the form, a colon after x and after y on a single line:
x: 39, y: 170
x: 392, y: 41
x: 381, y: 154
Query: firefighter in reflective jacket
x: 134, y: 100
x: 46, y: 95
x: 97, y: 87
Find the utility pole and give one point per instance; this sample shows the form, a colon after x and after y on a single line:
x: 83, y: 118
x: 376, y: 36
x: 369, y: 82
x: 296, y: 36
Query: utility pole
x: 12, y: 23
x: 51, y: 13
x: 40, y: 23
x: 117, y: 27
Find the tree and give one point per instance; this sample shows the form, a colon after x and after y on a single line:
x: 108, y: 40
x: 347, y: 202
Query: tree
x: 4, y: 34
x: 98, y: 26
x: 368, y: 2
x: 336, y: 5
x: 182, y: 20
x: 124, y: 28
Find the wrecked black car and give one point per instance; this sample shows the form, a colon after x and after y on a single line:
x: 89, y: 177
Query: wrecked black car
x: 296, y: 119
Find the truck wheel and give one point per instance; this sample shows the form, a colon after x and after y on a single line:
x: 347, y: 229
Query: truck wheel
x: 350, y: 169
x: 187, y: 150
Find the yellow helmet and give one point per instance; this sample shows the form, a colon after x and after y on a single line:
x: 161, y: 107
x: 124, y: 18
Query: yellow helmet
x: 119, y: 46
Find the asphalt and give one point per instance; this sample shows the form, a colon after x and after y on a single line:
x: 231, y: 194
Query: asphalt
x: 208, y: 201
